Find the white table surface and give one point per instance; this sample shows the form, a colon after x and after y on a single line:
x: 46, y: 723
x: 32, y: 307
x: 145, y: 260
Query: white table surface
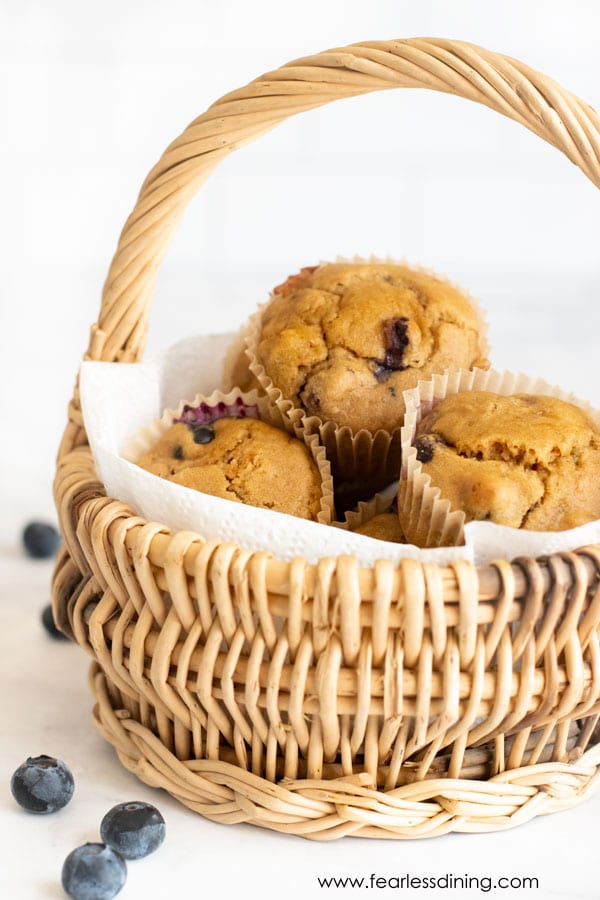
x: 45, y: 708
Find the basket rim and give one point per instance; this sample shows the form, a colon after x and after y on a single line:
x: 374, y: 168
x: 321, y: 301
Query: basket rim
x: 488, y: 576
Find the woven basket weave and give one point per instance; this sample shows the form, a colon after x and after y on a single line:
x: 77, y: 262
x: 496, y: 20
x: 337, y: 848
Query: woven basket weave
x: 328, y: 700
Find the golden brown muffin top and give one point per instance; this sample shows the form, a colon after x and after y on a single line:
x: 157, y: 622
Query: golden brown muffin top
x: 523, y: 460
x: 244, y: 460
x: 344, y: 341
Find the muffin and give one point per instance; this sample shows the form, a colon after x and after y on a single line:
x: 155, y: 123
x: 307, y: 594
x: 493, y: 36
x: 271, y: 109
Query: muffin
x: 342, y: 341
x: 241, y: 459
x: 384, y: 527
x: 522, y: 460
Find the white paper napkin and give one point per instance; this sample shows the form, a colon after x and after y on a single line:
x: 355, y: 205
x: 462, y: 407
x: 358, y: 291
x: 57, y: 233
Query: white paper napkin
x: 119, y: 399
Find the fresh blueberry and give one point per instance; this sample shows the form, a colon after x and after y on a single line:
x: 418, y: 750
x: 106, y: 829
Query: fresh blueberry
x: 93, y: 872
x: 42, y: 784
x: 133, y: 829
x: 41, y: 540
x: 50, y: 625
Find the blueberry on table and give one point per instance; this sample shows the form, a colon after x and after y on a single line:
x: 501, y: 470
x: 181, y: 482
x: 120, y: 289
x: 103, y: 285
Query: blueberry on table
x: 41, y: 540
x: 134, y: 829
x: 93, y: 872
x: 49, y: 624
x: 42, y: 784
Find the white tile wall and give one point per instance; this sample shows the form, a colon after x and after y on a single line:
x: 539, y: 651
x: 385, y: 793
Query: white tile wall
x: 90, y: 94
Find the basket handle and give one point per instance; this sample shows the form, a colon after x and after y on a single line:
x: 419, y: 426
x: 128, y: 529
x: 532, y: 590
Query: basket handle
x: 454, y: 67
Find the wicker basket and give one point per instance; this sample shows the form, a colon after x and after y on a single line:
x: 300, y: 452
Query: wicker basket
x: 328, y: 700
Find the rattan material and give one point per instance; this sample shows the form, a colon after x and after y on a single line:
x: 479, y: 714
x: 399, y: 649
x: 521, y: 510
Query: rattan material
x: 328, y: 700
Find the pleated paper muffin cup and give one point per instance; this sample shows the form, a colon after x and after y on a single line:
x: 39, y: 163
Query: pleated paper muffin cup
x: 426, y: 517
x: 362, y: 462
x: 203, y: 410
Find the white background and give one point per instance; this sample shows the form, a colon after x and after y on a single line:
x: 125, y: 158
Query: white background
x: 90, y: 94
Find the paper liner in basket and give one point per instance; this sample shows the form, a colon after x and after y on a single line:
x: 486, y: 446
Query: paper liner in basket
x: 119, y: 399
x: 429, y: 519
x: 236, y: 371
x: 361, y: 461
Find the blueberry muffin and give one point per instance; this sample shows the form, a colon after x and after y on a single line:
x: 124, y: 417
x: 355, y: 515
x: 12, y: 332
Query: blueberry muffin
x: 342, y: 341
x: 240, y: 459
x: 523, y: 460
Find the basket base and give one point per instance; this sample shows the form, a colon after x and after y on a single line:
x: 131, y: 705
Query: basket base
x: 330, y: 809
